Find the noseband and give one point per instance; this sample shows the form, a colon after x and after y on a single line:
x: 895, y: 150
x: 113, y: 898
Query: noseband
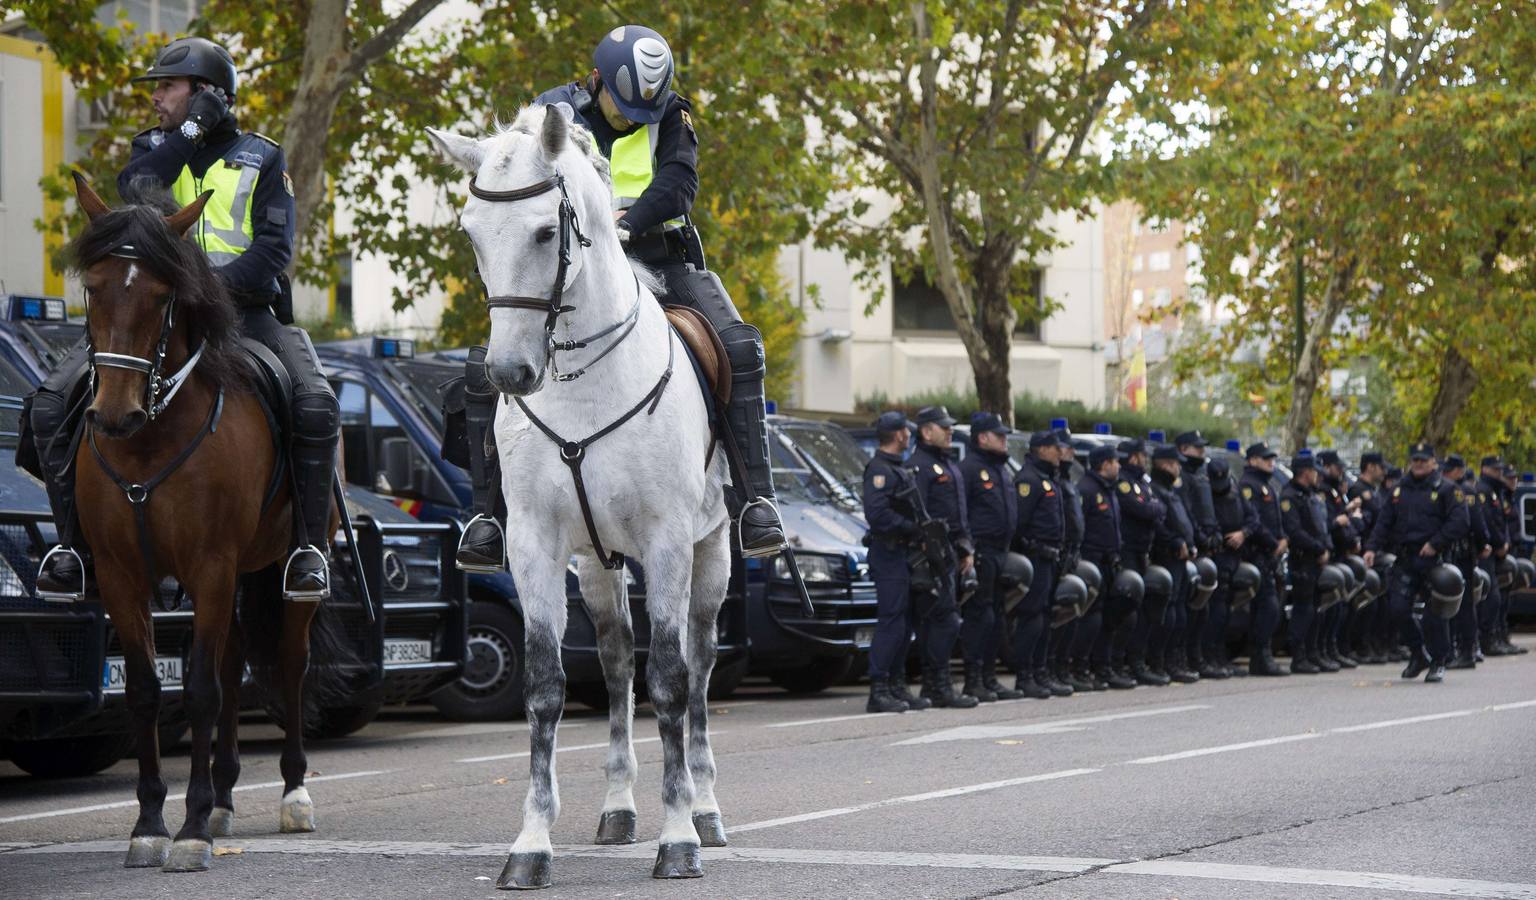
x: 551, y: 306
x: 155, y: 384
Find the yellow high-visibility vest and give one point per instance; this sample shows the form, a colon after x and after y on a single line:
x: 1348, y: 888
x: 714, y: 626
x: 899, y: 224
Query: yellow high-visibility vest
x: 632, y: 164
x: 224, y: 231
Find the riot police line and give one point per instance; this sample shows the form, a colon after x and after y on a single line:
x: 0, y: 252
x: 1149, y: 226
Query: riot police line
x: 1146, y: 562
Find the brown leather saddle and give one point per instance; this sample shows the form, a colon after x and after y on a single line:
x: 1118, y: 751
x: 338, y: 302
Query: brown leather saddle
x: 704, y: 343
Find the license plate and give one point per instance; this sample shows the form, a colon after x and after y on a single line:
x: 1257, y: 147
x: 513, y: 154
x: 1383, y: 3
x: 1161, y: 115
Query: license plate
x: 401, y: 650
x: 114, y: 676
x: 864, y: 636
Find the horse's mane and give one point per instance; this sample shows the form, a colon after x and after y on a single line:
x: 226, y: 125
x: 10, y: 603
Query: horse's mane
x: 530, y: 121
x: 201, y: 300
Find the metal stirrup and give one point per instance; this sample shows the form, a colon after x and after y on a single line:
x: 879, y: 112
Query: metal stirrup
x: 325, y: 576
x: 475, y: 567
x: 61, y: 596
x: 741, y: 518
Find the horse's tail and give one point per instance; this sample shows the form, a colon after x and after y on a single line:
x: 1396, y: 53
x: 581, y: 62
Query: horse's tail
x: 333, y: 662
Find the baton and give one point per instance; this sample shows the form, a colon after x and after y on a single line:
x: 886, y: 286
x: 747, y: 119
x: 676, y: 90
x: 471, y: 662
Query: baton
x: 357, y: 557
x: 806, y: 606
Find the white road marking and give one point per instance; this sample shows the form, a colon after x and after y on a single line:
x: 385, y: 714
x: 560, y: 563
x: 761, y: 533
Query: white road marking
x: 909, y: 798
x: 1411, y: 720
x: 1375, y: 881
x: 1224, y: 748
x: 1058, y: 726
x: 98, y: 807
x: 799, y: 722
x: 1523, y: 704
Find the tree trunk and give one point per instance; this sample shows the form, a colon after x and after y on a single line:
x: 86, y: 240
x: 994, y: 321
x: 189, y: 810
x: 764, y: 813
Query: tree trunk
x: 1309, y: 367
x: 1457, y: 381
x: 991, y: 270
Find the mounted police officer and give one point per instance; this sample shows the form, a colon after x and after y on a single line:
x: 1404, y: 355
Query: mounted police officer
x: 1306, y: 527
x: 1422, y: 518
x: 1195, y: 488
x: 936, y: 614
x: 1258, y: 488
x: 1374, y: 634
x: 1141, y: 520
x: 1492, y: 501
x: 247, y: 230
x: 1102, y: 546
x: 1172, y: 546
x: 892, y: 514
x: 993, y: 513
x: 645, y: 129
x: 1344, y: 522
x: 1041, y: 536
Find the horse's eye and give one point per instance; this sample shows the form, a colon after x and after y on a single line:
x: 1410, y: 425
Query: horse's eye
x: 545, y: 235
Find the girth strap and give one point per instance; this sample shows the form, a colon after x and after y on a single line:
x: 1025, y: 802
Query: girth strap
x: 572, y: 453
x: 138, y: 494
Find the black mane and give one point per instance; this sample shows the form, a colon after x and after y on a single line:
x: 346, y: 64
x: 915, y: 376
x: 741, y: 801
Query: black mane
x: 202, y: 303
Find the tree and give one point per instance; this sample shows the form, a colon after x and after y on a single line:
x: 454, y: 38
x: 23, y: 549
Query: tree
x: 975, y: 120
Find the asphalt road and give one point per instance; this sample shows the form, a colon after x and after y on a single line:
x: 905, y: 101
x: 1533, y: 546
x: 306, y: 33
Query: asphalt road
x: 1352, y: 785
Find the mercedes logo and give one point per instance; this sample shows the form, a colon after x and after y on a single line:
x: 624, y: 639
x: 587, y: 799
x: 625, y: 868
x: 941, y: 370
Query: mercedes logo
x: 396, y: 576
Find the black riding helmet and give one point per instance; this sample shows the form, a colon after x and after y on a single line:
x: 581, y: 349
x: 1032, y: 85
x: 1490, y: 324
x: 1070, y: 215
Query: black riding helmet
x: 197, y: 58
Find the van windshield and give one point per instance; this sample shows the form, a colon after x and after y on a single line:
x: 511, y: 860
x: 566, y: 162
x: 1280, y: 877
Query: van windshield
x: 427, y: 381
x: 837, y: 457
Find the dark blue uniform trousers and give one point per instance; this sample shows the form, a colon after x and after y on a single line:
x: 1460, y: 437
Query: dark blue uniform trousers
x: 1305, y: 623
x: 980, y: 636
x: 936, y: 620
x: 1029, y: 638
x: 893, y: 579
x: 1408, y: 583
x: 1464, y: 625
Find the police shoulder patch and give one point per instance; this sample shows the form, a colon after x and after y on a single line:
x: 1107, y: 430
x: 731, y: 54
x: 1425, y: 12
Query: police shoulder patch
x: 1247, y: 493
x: 1397, y: 492
x: 1125, y: 487
x: 985, y: 475
x: 1285, y: 505
x: 288, y: 184
x: 938, y: 469
x: 1098, y: 498
x: 1023, y: 489
x: 1433, y: 496
x: 1046, y: 485
x: 878, y: 481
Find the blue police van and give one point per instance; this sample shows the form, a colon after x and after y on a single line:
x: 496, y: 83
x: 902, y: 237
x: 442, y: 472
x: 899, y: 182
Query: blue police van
x: 61, y: 670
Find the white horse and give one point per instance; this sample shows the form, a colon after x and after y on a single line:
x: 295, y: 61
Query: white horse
x: 557, y: 276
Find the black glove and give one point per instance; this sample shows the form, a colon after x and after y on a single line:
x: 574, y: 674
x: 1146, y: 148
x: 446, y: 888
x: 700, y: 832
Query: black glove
x: 206, y: 110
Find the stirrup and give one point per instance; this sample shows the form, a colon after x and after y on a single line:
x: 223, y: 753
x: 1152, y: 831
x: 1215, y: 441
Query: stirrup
x: 482, y: 568
x: 764, y: 552
x: 314, y: 596
x: 62, y: 596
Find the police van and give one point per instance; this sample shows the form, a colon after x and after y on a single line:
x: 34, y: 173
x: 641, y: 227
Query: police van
x: 61, y: 669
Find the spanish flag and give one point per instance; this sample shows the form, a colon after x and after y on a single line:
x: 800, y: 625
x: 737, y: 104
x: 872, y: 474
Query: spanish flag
x: 1135, y: 388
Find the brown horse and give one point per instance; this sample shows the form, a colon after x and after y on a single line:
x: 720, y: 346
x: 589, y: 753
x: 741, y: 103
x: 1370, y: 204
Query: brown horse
x: 174, y: 478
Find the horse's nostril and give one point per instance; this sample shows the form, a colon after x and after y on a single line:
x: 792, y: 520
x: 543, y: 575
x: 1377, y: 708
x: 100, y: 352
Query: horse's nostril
x: 134, y: 421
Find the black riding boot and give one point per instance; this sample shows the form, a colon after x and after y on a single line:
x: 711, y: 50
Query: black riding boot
x: 482, y: 548
x: 61, y: 577
x: 974, y: 684
x: 307, y: 574
x: 990, y: 683
x: 898, y: 689
x: 940, y: 691
x: 761, y: 532
x: 882, y: 699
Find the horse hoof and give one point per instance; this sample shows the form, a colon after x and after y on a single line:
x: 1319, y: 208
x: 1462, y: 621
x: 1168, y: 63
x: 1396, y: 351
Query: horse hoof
x: 147, y: 852
x: 711, y: 830
x: 678, y: 861
x: 221, y: 822
x: 298, y: 812
x: 189, y: 855
x: 526, y: 872
x: 617, y: 826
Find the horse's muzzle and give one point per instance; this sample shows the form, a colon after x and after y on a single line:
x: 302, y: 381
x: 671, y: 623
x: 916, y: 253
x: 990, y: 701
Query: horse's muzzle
x: 127, y: 426
x: 519, y: 379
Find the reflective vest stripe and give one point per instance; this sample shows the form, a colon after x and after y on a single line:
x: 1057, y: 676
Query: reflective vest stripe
x: 632, y: 164
x: 224, y: 231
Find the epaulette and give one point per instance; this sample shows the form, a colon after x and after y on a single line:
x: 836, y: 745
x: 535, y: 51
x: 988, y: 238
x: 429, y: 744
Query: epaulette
x: 257, y: 134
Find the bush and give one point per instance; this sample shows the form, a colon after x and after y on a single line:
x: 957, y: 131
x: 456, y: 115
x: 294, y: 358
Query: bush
x: 1032, y: 413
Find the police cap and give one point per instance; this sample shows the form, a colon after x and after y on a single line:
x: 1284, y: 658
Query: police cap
x: 1103, y: 454
x: 988, y: 422
x: 1330, y: 458
x: 1493, y: 461
x: 1218, y: 469
x: 1367, y: 459
x: 1260, y: 451
x: 1300, y: 463
x: 1132, y: 446
x: 891, y: 420
x: 1191, y: 439
x: 1167, y: 451
x: 937, y: 415
x: 1044, y: 439
x: 1453, y: 461
x: 1421, y: 451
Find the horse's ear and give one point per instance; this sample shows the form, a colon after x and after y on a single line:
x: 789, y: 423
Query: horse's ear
x: 89, y: 201
x: 466, y: 153
x: 187, y: 216
x: 557, y: 128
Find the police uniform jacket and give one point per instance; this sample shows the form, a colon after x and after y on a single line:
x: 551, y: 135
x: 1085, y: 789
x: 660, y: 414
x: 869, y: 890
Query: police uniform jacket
x: 1346, y: 538
x: 1042, y: 523
x: 1071, y: 507
x: 1490, y: 499
x: 1478, y: 533
x: 888, y: 505
x: 1419, y: 511
x: 1370, y: 506
x: 160, y: 156
x: 1233, y: 513
x: 990, y: 500
x: 1305, y: 520
x: 1178, y: 531
x: 943, y: 491
x: 1258, y: 489
x: 675, y: 175
x: 1101, y: 517
x: 1195, y: 488
x: 1141, y: 513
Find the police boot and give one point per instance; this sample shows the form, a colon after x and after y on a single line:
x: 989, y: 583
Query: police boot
x: 1262, y: 665
x: 1178, y: 670
x: 1086, y: 675
x: 1397, y: 653
x: 974, y: 685
x: 882, y: 699
x: 1435, y: 675
x: 1344, y: 659
x: 482, y: 547
x: 1115, y: 680
x: 990, y: 683
x: 1417, y: 665
x: 1463, y: 660
x: 941, y: 691
x: 1214, y: 671
x: 1146, y: 676
x: 306, y: 575
x: 898, y: 689
x: 1047, y: 680
x: 760, y: 530
x: 1027, y: 685
x: 1064, y: 674
x: 1322, y: 662
x: 1301, y: 664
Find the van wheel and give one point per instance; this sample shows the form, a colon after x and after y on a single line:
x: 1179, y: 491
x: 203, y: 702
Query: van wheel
x: 491, y: 687
x: 813, y: 677
x: 69, y: 757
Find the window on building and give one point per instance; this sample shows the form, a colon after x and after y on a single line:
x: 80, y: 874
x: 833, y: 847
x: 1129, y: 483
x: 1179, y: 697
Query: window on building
x: 1138, y: 263
x: 1161, y: 261
x: 161, y: 16
x: 1156, y: 225
x: 919, y: 307
x: 1162, y: 297
x: 1138, y: 297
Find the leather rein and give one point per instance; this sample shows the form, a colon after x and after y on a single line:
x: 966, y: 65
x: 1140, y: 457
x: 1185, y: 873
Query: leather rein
x: 573, y: 453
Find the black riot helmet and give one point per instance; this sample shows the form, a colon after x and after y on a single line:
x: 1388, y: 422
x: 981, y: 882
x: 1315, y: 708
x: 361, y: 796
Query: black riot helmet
x: 1527, y: 572
x: 1332, y: 586
x: 1445, y: 589
x: 1246, y: 580
x: 1159, y: 581
x: 1092, y: 578
x: 1356, y: 566
x: 1374, y: 588
x: 198, y: 59
x: 1071, y: 600
x: 1481, y: 585
x: 1508, y: 571
x: 1206, y: 578
x: 1128, y: 587
x: 1014, y: 575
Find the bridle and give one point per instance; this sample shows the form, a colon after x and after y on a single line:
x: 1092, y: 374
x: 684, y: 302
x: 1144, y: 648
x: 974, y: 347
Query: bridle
x: 551, y: 306
x: 155, y: 383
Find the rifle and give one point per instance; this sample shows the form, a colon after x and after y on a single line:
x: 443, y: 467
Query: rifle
x: 934, y: 547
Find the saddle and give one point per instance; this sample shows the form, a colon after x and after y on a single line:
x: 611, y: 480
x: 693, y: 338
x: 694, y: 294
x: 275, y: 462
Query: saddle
x: 704, y: 345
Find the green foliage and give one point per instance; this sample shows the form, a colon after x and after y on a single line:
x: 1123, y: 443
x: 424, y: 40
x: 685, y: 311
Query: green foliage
x: 1034, y: 413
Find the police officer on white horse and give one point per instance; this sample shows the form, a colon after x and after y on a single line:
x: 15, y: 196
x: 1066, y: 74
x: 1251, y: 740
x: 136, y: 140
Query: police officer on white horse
x: 644, y: 129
